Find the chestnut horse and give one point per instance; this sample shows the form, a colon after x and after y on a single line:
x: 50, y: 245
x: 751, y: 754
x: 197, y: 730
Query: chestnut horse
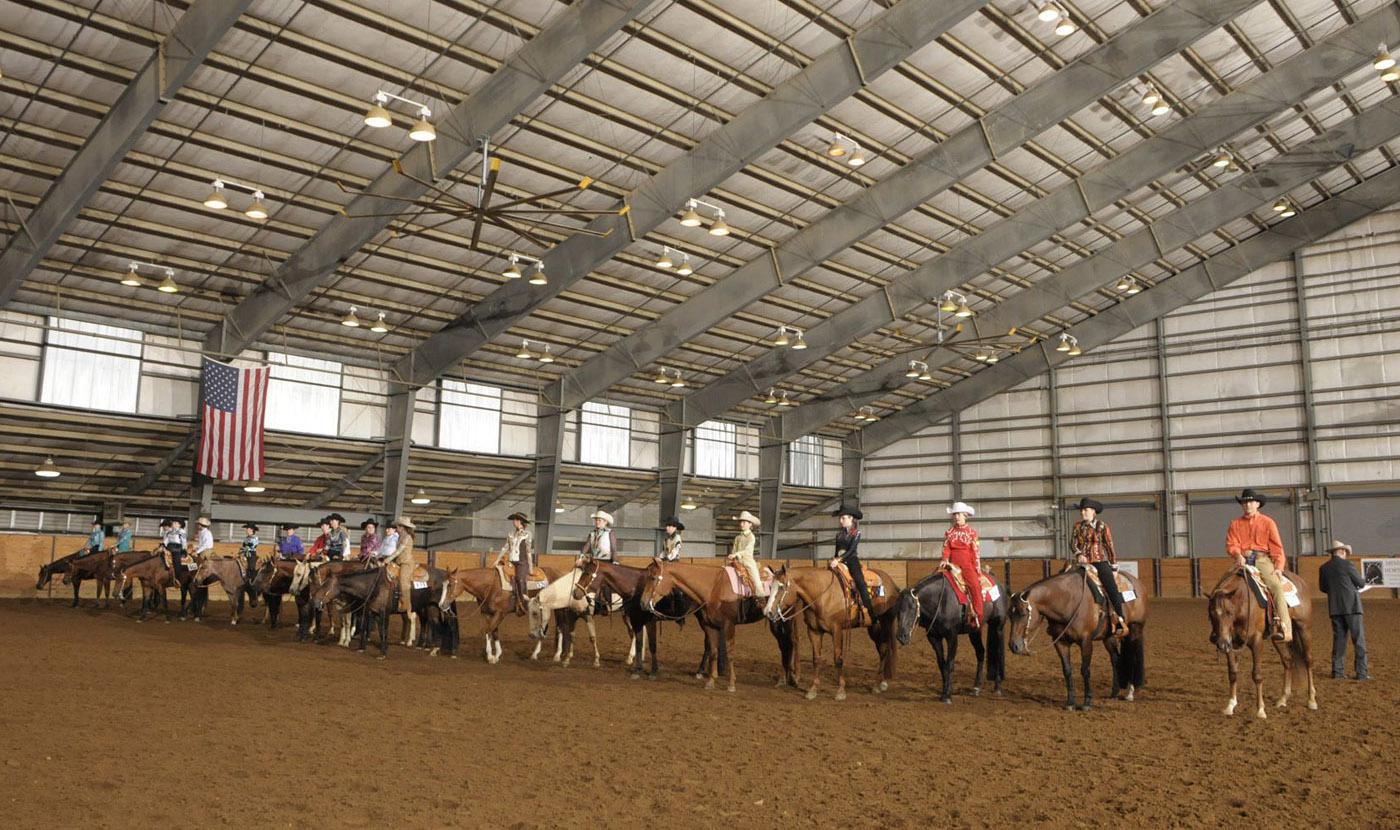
x: 1237, y: 620
x: 719, y: 611
x: 94, y: 566
x: 933, y: 605
x: 236, y: 583
x: 817, y: 595
x: 155, y: 576
x: 1072, y: 617
x: 493, y: 601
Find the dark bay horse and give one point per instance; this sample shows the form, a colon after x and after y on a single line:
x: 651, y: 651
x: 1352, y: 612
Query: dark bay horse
x: 230, y: 574
x: 155, y: 576
x: 933, y: 605
x: 1066, y: 604
x: 816, y: 594
x: 368, y: 596
x: 720, y: 610
x: 1237, y: 621
x: 58, y: 566
x: 93, y: 566
x: 273, y: 581
x: 627, y: 583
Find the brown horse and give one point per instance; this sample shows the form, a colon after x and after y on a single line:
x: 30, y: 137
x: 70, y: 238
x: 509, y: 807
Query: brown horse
x: 818, y: 596
x: 720, y: 610
x: 493, y: 601
x: 155, y: 576
x: 642, y: 625
x: 236, y: 583
x: 57, y: 566
x: 1072, y: 617
x: 1237, y: 620
x: 94, y: 566
x: 119, y: 563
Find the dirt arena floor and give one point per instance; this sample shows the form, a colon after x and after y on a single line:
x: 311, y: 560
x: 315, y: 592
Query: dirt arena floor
x: 110, y: 723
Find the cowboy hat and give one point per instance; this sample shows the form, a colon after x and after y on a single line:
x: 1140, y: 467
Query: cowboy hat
x: 180, y: 523
x: 250, y: 526
x: 962, y: 507
x: 672, y: 521
x: 604, y: 515
x: 1337, y: 545
x: 1096, y: 506
x: 370, y: 521
x: 337, y: 517
x: 203, y: 521
x: 289, y: 527
x: 517, y: 515
x: 405, y: 523
x: 848, y: 510
x: 746, y: 516
x: 167, y: 522
x: 324, y: 520
x: 1250, y: 495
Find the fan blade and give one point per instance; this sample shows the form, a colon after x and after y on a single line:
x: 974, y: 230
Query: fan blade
x: 487, y: 189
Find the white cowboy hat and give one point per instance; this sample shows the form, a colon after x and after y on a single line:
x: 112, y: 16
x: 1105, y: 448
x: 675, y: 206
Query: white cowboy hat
x: 405, y: 522
x: 202, y: 521
x: 746, y: 516
x: 604, y: 515
x: 961, y: 507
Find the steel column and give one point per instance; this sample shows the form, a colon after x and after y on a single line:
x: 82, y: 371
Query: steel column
x: 398, y: 443
x: 549, y: 449
x: 1316, y: 492
x: 1165, y: 426
x: 771, y: 452
x: 671, y: 461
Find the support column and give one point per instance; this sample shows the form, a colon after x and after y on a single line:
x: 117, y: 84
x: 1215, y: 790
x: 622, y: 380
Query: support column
x: 1057, y: 524
x: 955, y: 451
x: 549, y: 450
x: 1316, y: 493
x: 398, y: 441
x: 201, y: 504
x: 1164, y: 426
x: 670, y: 460
x: 770, y: 491
x: 852, y: 468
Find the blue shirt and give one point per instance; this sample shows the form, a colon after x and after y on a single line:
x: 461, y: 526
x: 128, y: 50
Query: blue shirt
x: 290, y: 546
x: 96, y: 538
x: 250, y: 545
x: 124, y: 541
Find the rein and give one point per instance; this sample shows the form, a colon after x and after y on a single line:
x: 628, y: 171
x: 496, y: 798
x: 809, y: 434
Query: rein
x: 778, y: 599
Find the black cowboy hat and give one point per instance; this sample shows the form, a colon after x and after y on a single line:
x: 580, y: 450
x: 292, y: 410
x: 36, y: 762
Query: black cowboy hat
x: 1088, y: 502
x: 1250, y: 495
x: 337, y: 517
x: 672, y: 521
x: 848, y: 510
x: 324, y: 520
x: 518, y: 515
x: 250, y: 526
x: 167, y: 522
x: 370, y: 521
x: 289, y: 526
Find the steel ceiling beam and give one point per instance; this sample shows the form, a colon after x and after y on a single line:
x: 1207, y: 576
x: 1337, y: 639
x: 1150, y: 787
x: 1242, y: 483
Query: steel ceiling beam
x: 1236, y: 198
x: 1219, y: 271
x: 828, y: 80
x: 167, y: 461
x: 1176, y: 145
x: 174, y: 61
x: 346, y: 481
x: 538, y: 65
x: 1000, y: 131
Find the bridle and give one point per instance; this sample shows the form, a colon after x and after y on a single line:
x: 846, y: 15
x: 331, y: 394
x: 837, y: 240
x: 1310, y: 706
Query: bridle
x: 783, y: 587
x: 651, y: 603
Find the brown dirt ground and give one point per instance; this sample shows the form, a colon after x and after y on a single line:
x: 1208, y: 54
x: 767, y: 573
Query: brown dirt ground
x: 272, y: 733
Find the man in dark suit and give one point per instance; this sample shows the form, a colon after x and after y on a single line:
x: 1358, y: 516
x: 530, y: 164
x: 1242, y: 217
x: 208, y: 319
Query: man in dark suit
x: 1342, y: 585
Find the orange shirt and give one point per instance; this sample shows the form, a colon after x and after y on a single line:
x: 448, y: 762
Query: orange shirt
x: 1257, y: 532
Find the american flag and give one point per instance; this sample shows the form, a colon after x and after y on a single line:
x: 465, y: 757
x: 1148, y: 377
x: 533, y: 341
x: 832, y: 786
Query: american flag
x: 231, y: 438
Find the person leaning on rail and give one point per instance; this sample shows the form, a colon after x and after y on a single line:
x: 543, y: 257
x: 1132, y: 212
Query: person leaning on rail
x: 1091, y: 543
x: 1253, y: 539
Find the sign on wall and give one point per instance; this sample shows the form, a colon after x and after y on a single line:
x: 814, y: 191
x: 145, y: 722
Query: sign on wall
x: 1381, y: 573
x: 1128, y: 568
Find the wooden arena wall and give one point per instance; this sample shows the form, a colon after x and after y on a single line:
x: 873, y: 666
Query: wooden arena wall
x: 22, y: 554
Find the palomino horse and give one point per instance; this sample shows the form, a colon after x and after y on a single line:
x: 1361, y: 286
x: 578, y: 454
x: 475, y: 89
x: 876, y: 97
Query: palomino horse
x: 1072, y: 617
x: 1237, y: 620
x: 719, y: 611
x: 493, y: 602
x: 933, y: 605
x: 566, y: 600
x: 236, y: 583
x: 642, y: 625
x: 817, y: 594
x: 94, y: 566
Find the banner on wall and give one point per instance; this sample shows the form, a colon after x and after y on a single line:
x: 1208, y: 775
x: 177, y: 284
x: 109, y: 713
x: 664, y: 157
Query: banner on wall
x: 1380, y: 573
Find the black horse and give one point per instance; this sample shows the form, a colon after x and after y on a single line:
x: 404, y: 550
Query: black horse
x: 367, y: 596
x: 933, y: 605
x: 90, y: 566
x: 58, y: 566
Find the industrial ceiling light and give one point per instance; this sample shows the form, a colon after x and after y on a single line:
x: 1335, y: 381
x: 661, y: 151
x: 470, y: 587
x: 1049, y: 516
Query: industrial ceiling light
x: 843, y: 146
x: 690, y: 217
x: 257, y: 210
x: 1064, y: 27
x: 167, y: 285
x: 1124, y: 283
x: 1391, y: 75
x: 1074, y: 350
x: 422, y: 129
x: 661, y: 378
x: 719, y: 227
x: 350, y: 320
x: 1222, y: 158
x: 992, y: 357
x: 677, y: 381
x: 913, y: 369
x: 1280, y: 206
x: 131, y: 277
x: 421, y: 497
x: 215, y: 200
x: 254, y: 487
x: 1049, y: 13
x: 546, y: 357
x: 772, y: 397
x: 870, y: 414
x: 837, y: 148
x: 785, y: 400
x: 859, y: 414
x: 1383, y: 59
x: 925, y: 374
x: 1134, y: 288
x: 1064, y: 343
x: 665, y: 261
x: 685, y: 270
x: 1161, y: 107
x: 539, y: 278
x: 948, y: 304
x: 47, y: 469
x: 378, y: 116
x: 1151, y: 97
x: 512, y: 271
x: 980, y: 356
x: 524, y: 353
x: 689, y: 504
x: 858, y: 158
x: 558, y: 506
x: 799, y: 343
x: 1288, y: 209
x: 964, y: 310
x: 782, y: 338
x: 379, y: 327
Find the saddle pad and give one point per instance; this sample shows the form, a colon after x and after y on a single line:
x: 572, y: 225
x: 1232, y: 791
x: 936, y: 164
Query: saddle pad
x: 1256, y: 584
x: 741, y: 586
x: 535, y: 584
x: 991, y: 592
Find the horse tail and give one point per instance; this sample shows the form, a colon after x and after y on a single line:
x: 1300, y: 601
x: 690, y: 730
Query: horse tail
x: 1132, y: 659
x: 996, y: 648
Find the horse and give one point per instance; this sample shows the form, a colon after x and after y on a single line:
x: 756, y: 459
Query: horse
x: 818, y: 596
x: 58, y: 565
x: 193, y: 597
x: 235, y: 581
x: 273, y: 581
x: 642, y: 625
x: 94, y: 566
x: 307, y: 577
x: 933, y: 605
x: 719, y: 610
x: 155, y: 576
x: 493, y: 601
x: 369, y: 595
x: 1073, y: 617
x: 119, y: 563
x: 569, y: 601
x: 1238, y: 620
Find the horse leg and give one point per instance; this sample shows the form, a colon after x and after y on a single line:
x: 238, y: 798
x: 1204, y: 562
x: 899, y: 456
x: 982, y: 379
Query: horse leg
x: 1086, y: 657
x: 1233, y: 672
x: 838, y: 660
x: 1115, y: 658
x: 653, y: 630
x: 945, y: 666
x: 1286, y: 660
x: 814, y: 638
x: 729, y: 628
x: 1063, y: 650
x: 76, y: 583
x: 714, y: 639
x: 593, y: 641
x: 975, y: 638
x: 1258, y: 675
x: 1302, y: 650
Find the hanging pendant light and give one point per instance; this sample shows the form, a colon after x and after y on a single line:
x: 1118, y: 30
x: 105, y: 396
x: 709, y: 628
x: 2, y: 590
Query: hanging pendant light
x: 421, y: 497
x: 689, y: 504
x: 1134, y: 288
x: 992, y: 357
x: 422, y: 129
x: 1075, y: 351
x: 512, y: 271
x: 524, y: 353
x: 690, y: 218
x: 377, y: 116
x: 47, y: 469
x: 1124, y: 283
x: 350, y: 320
x: 1288, y: 210
x: 800, y: 343
x: 772, y: 398
x: 719, y: 227
x: 167, y: 285
x: 1222, y: 158
x: 1049, y: 13
x: 1064, y: 344
x: 858, y: 158
x: 685, y: 270
x: 1065, y: 27
x: 782, y: 338
x: 925, y: 375
x: 661, y: 378
x: 1383, y: 59
x: 558, y: 506
x: 257, y: 210
x: 546, y: 357
x: 538, y: 277
x: 254, y: 487
x: 215, y: 200
x: 913, y: 371
x: 379, y: 327
x: 131, y: 277
x: 665, y: 261
x: 677, y: 382
x: 964, y: 310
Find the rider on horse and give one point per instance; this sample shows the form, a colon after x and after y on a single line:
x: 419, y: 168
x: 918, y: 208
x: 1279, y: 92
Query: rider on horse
x: 369, y: 539
x: 125, y: 537
x: 337, y: 540
x: 249, y: 548
x: 847, y: 541
x: 1091, y: 543
x: 290, y: 547
x: 1253, y: 539
x: 960, y: 549
x: 516, y: 550
x: 741, y: 553
x: 96, y: 538
x: 671, y: 545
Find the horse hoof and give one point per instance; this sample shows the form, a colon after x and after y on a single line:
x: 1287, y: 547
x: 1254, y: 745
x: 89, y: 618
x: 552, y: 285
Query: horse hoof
x: 811, y: 694
x: 699, y: 676
x: 634, y: 676
x: 730, y: 690
x: 653, y: 677
x: 1282, y: 704
x: 974, y: 692
x: 947, y: 701
x: 709, y: 685
x: 841, y: 694
x: 1069, y: 707
x: 382, y: 657
x: 1086, y: 707
x: 1313, y: 705
x: 433, y: 653
x: 1262, y: 715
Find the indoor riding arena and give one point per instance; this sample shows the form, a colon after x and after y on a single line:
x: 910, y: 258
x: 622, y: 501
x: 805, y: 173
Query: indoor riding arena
x: 699, y: 413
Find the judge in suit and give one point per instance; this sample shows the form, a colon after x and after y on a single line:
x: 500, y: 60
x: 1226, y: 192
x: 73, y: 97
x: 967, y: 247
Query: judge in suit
x: 1339, y: 580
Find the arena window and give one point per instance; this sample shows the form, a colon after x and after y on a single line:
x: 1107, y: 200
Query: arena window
x: 805, y: 457
x: 470, y: 417
x: 605, y: 434
x: 91, y: 365
x: 303, y: 394
x: 716, y: 448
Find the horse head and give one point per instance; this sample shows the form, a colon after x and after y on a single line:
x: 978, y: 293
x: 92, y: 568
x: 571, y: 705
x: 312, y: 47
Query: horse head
x: 658, y: 584
x: 538, y: 619
x: 447, y: 598
x: 782, y: 597
x: 324, y: 592
x: 907, y: 615
x: 588, y: 569
x: 1229, y: 611
x: 1023, y: 616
